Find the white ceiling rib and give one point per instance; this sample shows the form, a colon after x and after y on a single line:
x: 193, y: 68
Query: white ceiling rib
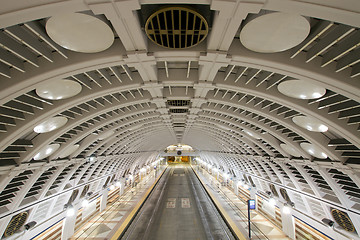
x: 205, y: 96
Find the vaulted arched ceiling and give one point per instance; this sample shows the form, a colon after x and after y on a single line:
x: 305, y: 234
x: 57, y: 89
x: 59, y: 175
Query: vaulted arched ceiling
x: 213, y: 96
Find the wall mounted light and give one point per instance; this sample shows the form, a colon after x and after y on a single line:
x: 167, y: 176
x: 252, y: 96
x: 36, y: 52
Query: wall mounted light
x: 84, y: 203
x: 328, y: 222
x: 70, y: 211
x: 272, y: 201
x: 29, y: 225
x: 286, y: 209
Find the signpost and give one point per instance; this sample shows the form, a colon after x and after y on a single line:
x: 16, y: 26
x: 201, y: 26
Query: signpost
x: 251, y: 206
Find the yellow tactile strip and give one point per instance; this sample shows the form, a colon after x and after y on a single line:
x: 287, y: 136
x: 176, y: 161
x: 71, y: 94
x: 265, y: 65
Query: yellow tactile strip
x: 104, y: 225
x: 229, y: 220
x: 121, y: 226
x: 272, y: 232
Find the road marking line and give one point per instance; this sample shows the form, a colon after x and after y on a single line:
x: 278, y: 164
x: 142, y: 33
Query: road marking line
x: 171, y: 203
x: 185, y: 203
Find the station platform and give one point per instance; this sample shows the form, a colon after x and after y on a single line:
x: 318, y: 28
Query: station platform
x: 104, y: 225
x: 118, y: 214
x: 236, y: 209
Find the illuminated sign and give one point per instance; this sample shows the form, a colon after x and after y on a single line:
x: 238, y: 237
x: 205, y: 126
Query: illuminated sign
x: 251, y: 204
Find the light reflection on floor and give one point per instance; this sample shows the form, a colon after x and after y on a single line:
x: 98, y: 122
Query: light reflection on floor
x: 270, y: 230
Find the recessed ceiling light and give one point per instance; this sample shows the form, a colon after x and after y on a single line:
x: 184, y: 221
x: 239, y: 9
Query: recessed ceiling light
x: 310, y: 123
x: 301, y: 89
x: 290, y: 150
x: 80, y: 32
x: 68, y: 151
x: 252, y: 134
x: 50, y: 124
x: 46, y: 151
x: 313, y: 150
x: 105, y: 135
x: 58, y: 89
x: 274, y: 32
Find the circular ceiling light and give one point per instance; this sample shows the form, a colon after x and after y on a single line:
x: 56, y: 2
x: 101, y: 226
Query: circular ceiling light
x: 313, y: 150
x: 69, y: 151
x: 176, y: 27
x: 50, y: 124
x: 252, y: 134
x: 290, y: 150
x: 58, y: 89
x: 46, y: 151
x: 274, y: 32
x: 80, y: 32
x: 301, y: 89
x: 310, y: 123
x: 105, y: 135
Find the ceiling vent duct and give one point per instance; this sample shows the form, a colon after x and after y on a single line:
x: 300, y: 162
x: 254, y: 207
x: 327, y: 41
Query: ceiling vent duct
x: 15, y: 223
x: 176, y: 27
x: 178, y: 110
x: 178, y: 103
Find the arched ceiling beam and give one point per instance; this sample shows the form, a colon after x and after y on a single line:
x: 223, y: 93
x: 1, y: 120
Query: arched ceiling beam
x: 259, y: 124
x: 336, y: 125
x: 60, y: 68
x: 226, y: 134
x: 43, y: 139
x: 340, y: 82
x: 14, y: 133
x: 129, y: 136
x: 108, y: 121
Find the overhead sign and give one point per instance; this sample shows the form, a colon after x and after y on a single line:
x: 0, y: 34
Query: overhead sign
x: 251, y: 204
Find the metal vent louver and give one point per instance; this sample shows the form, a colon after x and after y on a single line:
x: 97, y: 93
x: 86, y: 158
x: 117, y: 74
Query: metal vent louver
x: 178, y: 110
x: 285, y: 195
x: 178, y: 103
x: 342, y: 218
x: 176, y: 27
x: 15, y: 223
x: 84, y: 191
x: 73, y: 196
x: 273, y: 190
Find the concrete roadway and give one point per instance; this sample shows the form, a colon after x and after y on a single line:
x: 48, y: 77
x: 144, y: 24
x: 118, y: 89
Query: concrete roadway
x: 178, y: 208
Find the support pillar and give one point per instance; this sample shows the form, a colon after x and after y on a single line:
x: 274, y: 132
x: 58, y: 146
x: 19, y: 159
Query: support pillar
x: 68, y: 226
x: 236, y: 187
x: 103, y: 200
x: 122, y: 187
x: 288, y: 224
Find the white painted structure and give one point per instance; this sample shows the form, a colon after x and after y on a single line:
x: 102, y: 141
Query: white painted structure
x: 236, y: 119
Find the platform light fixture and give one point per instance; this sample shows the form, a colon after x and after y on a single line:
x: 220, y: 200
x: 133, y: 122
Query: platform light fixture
x: 70, y: 211
x: 328, y: 222
x: 272, y: 201
x: 286, y: 209
x: 84, y: 203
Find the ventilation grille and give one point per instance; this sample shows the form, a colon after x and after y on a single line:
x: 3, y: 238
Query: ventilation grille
x: 84, y: 191
x: 15, y: 223
x: 285, y: 195
x: 178, y: 110
x: 273, y: 190
x: 178, y: 103
x: 176, y: 27
x: 342, y: 218
x: 73, y: 196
